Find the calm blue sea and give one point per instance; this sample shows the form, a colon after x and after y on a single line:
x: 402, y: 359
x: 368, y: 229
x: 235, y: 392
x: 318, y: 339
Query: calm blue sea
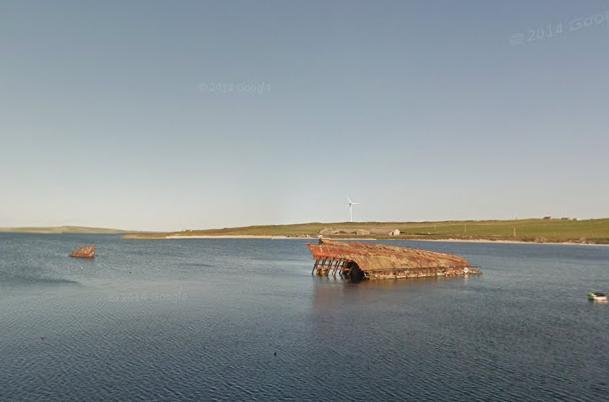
x: 245, y: 320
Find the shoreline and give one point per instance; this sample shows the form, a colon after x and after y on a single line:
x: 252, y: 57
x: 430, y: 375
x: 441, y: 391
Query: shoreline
x: 549, y: 243
x: 284, y: 237
x: 278, y: 237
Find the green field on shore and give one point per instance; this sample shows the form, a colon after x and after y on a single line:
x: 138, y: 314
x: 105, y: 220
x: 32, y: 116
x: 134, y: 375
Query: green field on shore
x: 531, y: 230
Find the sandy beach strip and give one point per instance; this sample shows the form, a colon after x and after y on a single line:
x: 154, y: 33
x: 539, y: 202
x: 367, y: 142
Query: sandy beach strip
x: 486, y: 241
x: 178, y: 237
x: 283, y: 237
x: 279, y: 237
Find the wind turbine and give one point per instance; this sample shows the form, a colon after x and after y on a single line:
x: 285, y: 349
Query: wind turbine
x: 351, y: 204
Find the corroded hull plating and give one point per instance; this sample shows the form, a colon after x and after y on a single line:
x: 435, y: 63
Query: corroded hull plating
x: 357, y: 261
x: 84, y: 252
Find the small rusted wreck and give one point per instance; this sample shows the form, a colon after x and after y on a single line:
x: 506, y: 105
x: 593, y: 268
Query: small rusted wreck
x: 84, y: 252
x: 358, y: 261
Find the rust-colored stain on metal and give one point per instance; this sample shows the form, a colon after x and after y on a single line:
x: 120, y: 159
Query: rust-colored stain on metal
x: 379, y: 261
x: 372, y: 257
x: 84, y: 252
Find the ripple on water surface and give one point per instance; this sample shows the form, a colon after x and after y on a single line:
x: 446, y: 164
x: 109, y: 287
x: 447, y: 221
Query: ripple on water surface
x: 244, y: 319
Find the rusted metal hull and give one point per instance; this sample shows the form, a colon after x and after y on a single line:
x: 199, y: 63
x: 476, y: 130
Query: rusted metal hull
x: 84, y: 252
x: 431, y: 272
x: 358, y: 261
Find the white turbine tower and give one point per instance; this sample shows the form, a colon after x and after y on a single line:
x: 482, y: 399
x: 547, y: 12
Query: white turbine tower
x: 351, y: 204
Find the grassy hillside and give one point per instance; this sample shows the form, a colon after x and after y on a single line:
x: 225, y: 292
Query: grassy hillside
x: 62, y: 229
x: 534, y: 230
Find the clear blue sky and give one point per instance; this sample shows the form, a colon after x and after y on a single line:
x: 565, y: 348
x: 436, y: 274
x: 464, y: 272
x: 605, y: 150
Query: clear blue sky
x: 173, y: 115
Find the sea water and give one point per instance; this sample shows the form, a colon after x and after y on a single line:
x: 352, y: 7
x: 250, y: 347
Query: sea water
x: 221, y: 319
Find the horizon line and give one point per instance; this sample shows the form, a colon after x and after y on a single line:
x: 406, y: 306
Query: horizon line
x: 116, y: 229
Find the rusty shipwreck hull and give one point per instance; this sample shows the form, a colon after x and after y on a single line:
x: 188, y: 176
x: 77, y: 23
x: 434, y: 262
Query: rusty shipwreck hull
x: 357, y: 261
x: 84, y: 252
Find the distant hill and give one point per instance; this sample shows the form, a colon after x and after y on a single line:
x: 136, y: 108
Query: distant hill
x: 62, y: 229
x: 529, y: 230
x: 562, y: 230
